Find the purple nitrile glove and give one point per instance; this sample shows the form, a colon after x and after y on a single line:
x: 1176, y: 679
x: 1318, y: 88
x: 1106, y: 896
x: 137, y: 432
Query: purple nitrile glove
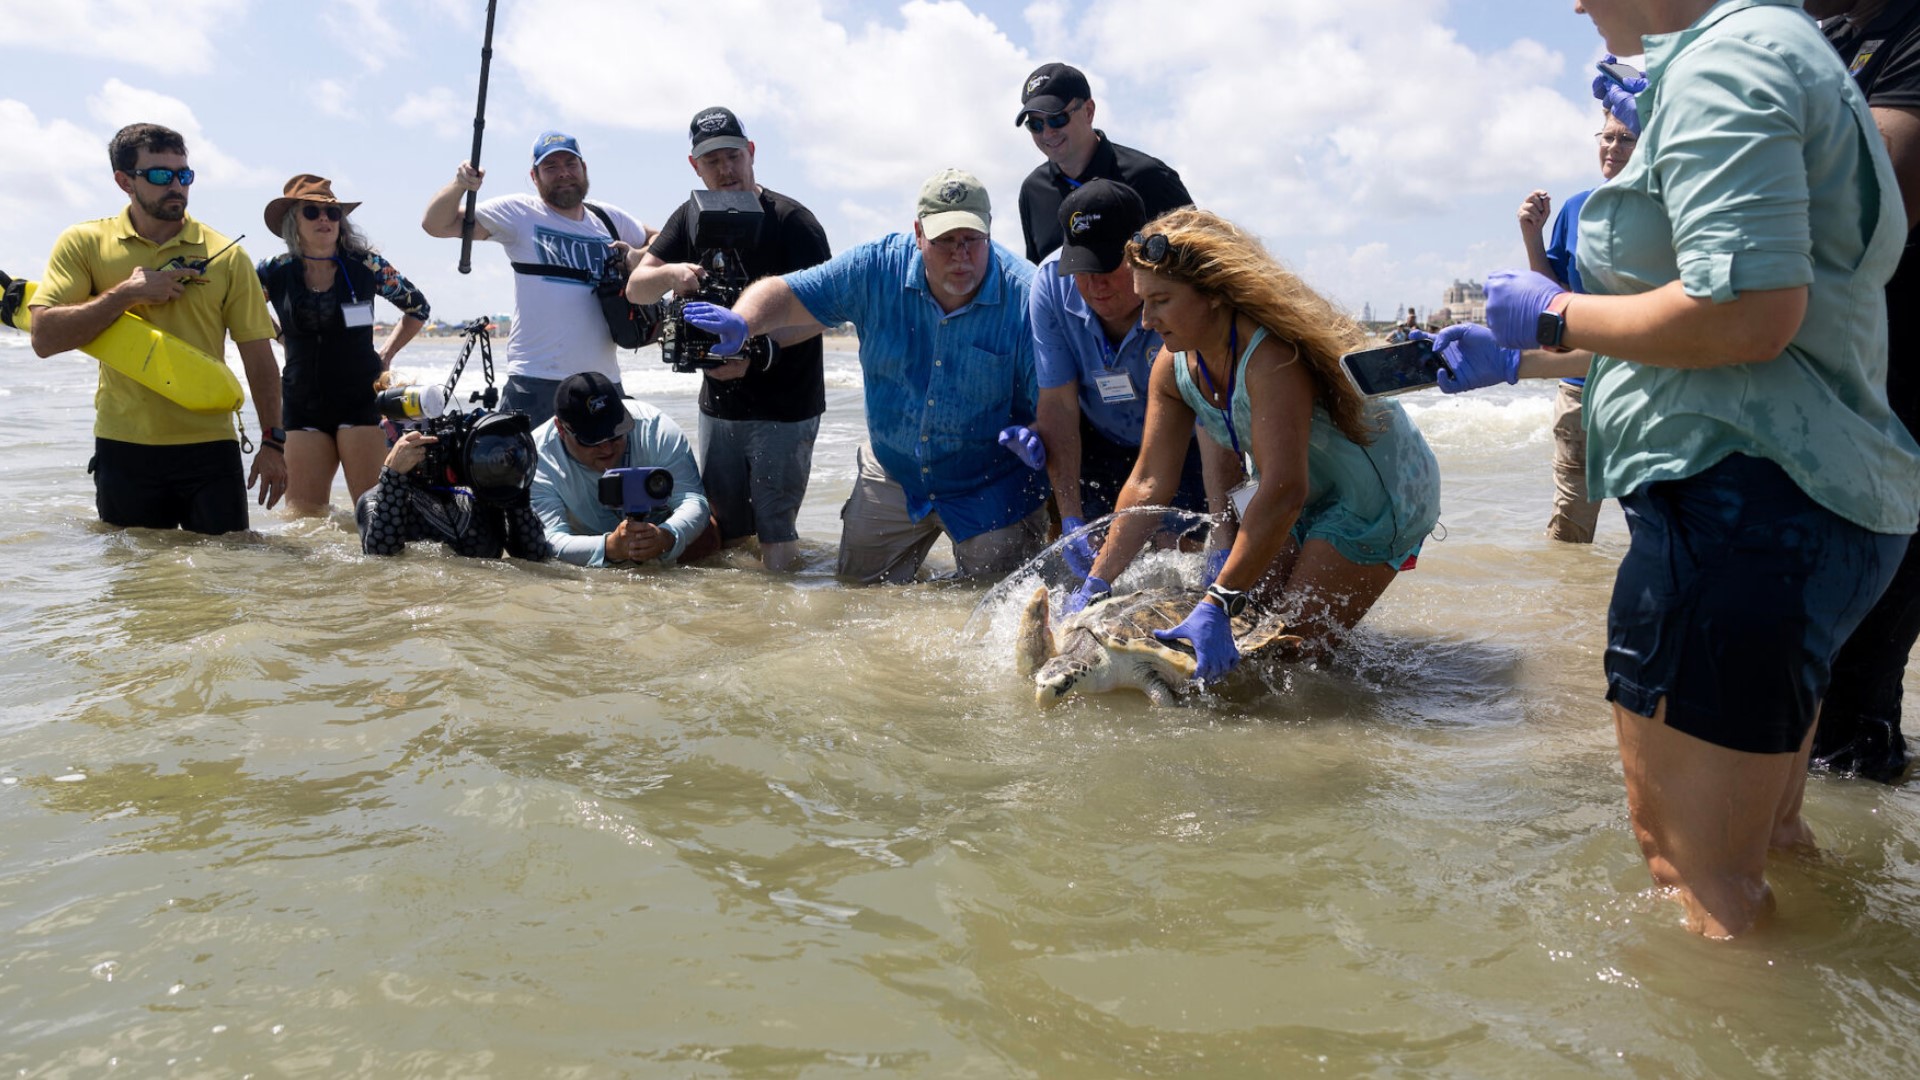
x: 1619, y: 95
x: 1473, y: 359
x: 1216, y: 562
x: 721, y: 322
x: 1515, y: 301
x: 1077, y: 551
x: 1090, y: 590
x: 1024, y: 443
x: 1211, y: 632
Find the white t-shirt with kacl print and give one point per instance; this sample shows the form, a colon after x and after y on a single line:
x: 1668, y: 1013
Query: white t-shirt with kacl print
x: 558, y: 329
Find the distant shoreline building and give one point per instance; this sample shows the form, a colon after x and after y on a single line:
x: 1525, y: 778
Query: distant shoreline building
x: 1467, y: 300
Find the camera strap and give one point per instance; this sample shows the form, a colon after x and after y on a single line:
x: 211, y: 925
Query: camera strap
x: 568, y: 272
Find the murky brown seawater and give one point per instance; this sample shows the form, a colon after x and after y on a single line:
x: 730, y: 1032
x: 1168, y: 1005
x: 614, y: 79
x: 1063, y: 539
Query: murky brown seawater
x: 280, y: 810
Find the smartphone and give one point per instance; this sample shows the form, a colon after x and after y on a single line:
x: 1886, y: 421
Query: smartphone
x: 1393, y: 369
x: 1623, y: 74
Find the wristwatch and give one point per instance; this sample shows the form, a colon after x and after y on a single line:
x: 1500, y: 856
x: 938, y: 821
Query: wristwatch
x: 1233, y: 600
x: 276, y: 434
x: 1551, y: 327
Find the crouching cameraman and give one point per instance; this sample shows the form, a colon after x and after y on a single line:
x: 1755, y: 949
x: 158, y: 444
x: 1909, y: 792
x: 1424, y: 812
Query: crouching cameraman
x: 592, y: 431
x: 463, y: 481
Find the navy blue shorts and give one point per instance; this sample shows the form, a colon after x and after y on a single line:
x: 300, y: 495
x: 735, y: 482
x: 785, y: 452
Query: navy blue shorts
x: 1735, y: 594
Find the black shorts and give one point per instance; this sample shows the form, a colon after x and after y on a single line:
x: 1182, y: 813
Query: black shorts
x: 1735, y: 594
x: 200, y: 487
x: 305, y: 406
x: 1105, y: 466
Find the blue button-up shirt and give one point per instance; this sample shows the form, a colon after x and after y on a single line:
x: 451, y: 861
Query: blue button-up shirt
x: 940, y: 385
x: 1071, y: 347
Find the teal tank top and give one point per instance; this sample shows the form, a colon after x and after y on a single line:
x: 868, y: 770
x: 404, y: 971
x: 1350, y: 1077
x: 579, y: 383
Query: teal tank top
x: 1373, y: 503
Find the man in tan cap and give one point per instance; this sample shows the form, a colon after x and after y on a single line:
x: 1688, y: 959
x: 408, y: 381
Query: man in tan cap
x: 158, y: 464
x: 947, y: 356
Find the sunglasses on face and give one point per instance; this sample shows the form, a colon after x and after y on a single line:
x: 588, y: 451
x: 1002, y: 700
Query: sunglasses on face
x: 159, y: 177
x: 1056, y: 121
x: 949, y: 245
x: 315, y: 213
x: 1153, y: 249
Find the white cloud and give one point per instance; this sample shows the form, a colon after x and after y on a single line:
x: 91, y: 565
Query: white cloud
x: 332, y: 98
x: 61, y: 172
x: 362, y: 27
x: 437, y: 109
x: 118, y: 104
x: 870, y: 110
x: 173, y: 36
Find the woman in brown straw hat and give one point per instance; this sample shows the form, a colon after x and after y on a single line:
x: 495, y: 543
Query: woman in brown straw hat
x: 322, y: 293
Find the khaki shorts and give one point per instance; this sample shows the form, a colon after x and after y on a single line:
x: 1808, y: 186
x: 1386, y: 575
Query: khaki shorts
x: 880, y: 543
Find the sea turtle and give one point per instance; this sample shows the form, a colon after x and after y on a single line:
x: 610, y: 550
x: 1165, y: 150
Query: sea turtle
x: 1110, y: 645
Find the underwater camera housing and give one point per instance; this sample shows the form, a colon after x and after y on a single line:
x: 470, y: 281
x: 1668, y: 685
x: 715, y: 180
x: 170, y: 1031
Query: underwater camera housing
x: 489, y: 453
x: 724, y: 223
x: 636, y: 492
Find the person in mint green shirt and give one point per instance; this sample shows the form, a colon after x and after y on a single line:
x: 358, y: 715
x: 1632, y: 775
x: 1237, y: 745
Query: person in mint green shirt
x: 1737, y: 408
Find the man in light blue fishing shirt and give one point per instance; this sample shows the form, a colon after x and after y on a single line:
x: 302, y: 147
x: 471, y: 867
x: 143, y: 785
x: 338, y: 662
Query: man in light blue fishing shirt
x: 946, y: 352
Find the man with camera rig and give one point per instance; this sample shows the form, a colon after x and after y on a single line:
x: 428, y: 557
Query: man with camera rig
x: 947, y: 356
x: 462, y: 479
x: 558, y: 250
x: 612, y: 487
x: 758, y: 416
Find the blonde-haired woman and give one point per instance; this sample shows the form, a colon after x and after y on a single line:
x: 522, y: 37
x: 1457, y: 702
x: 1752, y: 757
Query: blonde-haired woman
x: 1333, y: 493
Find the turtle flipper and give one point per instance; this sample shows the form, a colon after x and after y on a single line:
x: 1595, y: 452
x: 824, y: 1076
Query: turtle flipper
x: 1033, y: 644
x: 1267, y: 637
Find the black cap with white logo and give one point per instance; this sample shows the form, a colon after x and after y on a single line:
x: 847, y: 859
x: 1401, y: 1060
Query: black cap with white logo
x: 716, y: 129
x: 1050, y: 89
x: 588, y: 405
x: 1097, y: 219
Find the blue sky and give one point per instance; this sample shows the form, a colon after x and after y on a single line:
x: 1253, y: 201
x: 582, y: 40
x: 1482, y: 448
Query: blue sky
x: 1380, y: 147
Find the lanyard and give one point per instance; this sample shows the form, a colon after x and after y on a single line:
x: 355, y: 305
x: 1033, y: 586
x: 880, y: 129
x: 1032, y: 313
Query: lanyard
x: 353, y: 297
x: 1226, y: 410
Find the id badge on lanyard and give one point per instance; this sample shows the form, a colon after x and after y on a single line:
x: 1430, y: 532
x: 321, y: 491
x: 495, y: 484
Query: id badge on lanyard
x: 357, y: 314
x: 1240, y: 495
x: 1115, y: 387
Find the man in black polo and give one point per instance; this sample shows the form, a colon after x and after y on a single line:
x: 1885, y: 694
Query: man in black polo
x: 1057, y: 107
x: 757, y: 420
x: 1859, y: 729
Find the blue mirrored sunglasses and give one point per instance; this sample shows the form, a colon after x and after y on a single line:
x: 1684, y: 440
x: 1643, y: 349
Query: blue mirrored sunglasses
x: 159, y: 177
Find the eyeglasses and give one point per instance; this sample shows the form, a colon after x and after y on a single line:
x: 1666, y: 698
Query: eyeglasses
x: 1056, y: 121
x: 1154, y: 249
x: 159, y: 177
x: 950, y: 244
x: 1612, y: 139
x: 588, y: 444
x: 314, y: 213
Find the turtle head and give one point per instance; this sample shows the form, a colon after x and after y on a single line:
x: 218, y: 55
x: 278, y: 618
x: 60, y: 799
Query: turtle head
x: 1065, y: 675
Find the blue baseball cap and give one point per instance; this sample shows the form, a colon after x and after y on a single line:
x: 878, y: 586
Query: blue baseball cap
x: 551, y: 142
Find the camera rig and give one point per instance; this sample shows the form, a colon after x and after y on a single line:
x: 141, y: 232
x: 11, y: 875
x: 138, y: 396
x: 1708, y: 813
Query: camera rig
x: 722, y: 225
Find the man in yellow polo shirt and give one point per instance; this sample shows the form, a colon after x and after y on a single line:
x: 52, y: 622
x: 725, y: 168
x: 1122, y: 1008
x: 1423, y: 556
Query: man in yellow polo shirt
x: 157, y: 464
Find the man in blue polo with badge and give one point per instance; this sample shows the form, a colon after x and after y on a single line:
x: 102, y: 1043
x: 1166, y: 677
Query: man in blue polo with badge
x: 947, y: 358
x: 1093, y: 359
